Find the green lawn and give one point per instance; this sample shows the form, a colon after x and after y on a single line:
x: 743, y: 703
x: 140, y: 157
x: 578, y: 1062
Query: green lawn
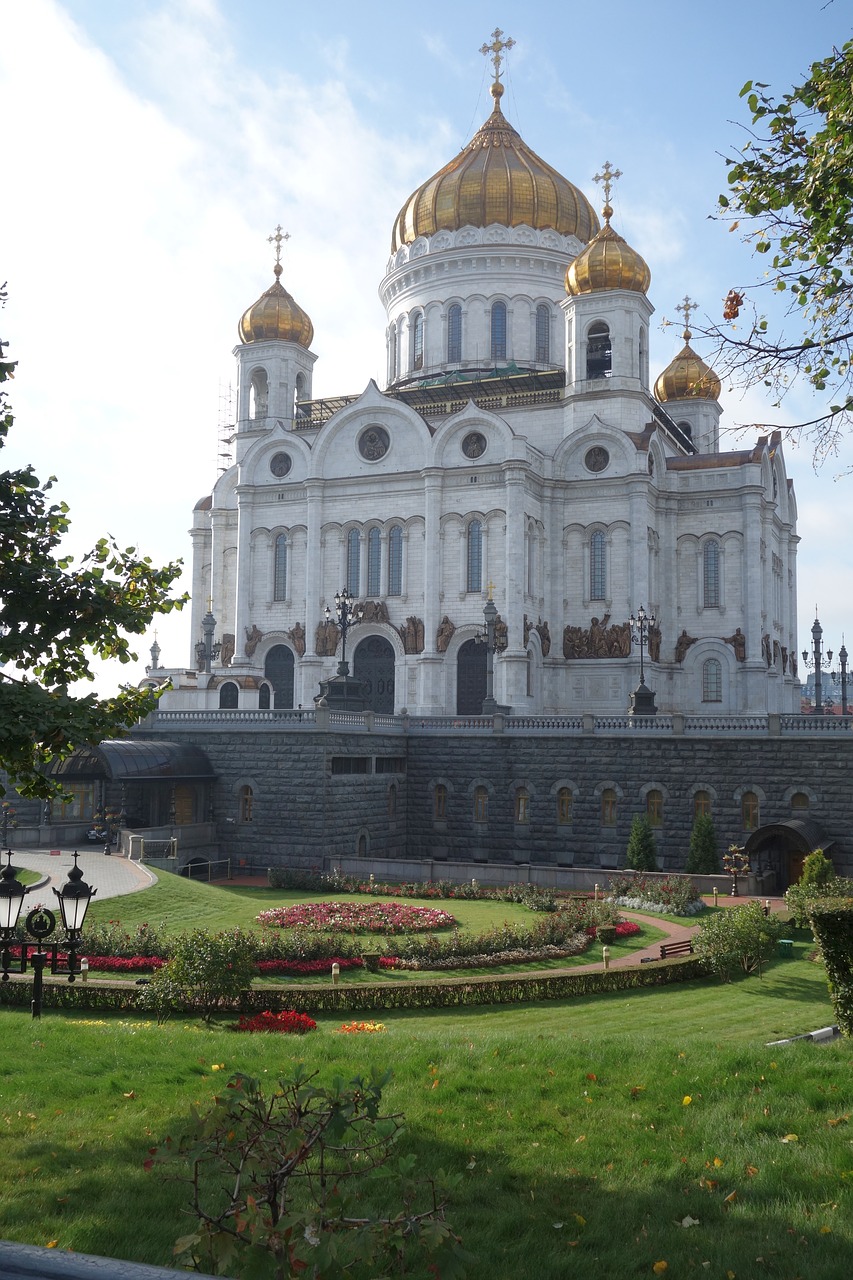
x: 587, y: 1131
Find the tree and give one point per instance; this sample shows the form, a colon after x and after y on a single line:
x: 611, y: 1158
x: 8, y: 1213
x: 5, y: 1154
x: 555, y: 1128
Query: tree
x: 791, y: 191
x: 55, y: 616
x: 737, y: 938
x: 642, y: 853
x: 703, y: 859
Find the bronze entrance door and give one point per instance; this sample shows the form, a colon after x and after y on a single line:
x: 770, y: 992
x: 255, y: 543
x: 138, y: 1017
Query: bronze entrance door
x: 373, y: 665
x: 470, y: 679
x: 278, y: 669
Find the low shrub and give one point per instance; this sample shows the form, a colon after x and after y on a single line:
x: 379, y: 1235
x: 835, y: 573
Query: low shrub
x: 739, y: 938
x: 667, y: 895
x: 528, y: 895
x: 206, y: 973
x: 801, y: 896
x: 832, y: 923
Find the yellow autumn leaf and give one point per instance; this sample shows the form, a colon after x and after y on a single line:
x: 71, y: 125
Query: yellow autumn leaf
x: 51, y: 1244
x: 730, y: 1199
x: 660, y: 1267
x: 790, y: 1137
x: 826, y: 1231
x: 579, y: 1219
x: 686, y: 1100
x: 718, y: 1163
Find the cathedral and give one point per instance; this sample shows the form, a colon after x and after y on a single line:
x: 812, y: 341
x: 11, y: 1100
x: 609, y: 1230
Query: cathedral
x: 521, y: 457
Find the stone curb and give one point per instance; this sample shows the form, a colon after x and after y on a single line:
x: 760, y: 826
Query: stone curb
x: 29, y: 1262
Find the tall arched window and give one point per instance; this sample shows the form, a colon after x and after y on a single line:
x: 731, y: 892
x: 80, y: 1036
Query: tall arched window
x: 609, y: 807
x: 259, y: 395
x: 247, y: 800
x: 454, y: 334
x: 374, y: 562
x: 711, y: 574
x: 643, y: 353
x: 475, y: 557
x: 712, y: 681
x: 799, y: 801
x: 395, y: 561
x: 522, y: 806
x: 598, y: 566
x: 280, y: 568
x: 264, y: 697
x: 392, y: 354
x: 531, y: 560
x: 228, y: 696
x: 498, y: 332
x: 417, y: 323
x: 392, y: 800
x: 439, y: 802
x: 543, y: 334
x: 299, y: 396
x: 565, y: 802
x: 599, y: 353
x: 750, y: 810
x: 654, y: 808
x: 353, y: 562
x: 481, y: 804
x: 701, y: 804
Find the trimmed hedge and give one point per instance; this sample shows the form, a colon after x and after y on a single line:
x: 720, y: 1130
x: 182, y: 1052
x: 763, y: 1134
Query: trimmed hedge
x: 831, y: 920
x: 451, y: 993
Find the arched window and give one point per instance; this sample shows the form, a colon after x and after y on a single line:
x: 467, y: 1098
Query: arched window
x: 395, y: 561
x: 280, y: 568
x: 654, y: 808
x: 417, y: 323
x: 475, y: 557
x: 361, y: 846
x: 598, y: 566
x: 565, y: 805
x: 439, y: 802
x: 498, y: 332
x: 711, y: 574
x: 264, y: 698
x: 529, y: 669
x: 609, y: 807
x: 353, y: 562
x: 228, y: 696
x: 686, y: 428
x: 247, y: 799
x: 643, y: 353
x: 522, y: 806
x: 750, y: 810
x: 374, y: 561
x: 454, y: 334
x: 799, y: 801
x: 481, y: 804
x: 259, y: 395
x: 543, y: 334
x: 701, y: 804
x: 299, y: 396
x: 712, y: 681
x: 392, y: 354
x: 531, y: 561
x: 392, y: 800
x: 599, y: 354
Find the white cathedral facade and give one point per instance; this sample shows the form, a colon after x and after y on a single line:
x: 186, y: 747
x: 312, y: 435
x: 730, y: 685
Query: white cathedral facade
x: 519, y: 448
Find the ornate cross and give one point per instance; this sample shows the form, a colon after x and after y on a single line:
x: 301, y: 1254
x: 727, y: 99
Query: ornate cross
x: 277, y: 240
x: 491, y: 588
x: 496, y: 48
x: 607, y: 177
x: 686, y: 308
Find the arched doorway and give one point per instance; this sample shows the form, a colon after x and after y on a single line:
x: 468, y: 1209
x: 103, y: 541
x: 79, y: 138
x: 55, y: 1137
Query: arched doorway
x: 373, y: 665
x: 278, y: 669
x: 470, y: 678
x: 782, y: 847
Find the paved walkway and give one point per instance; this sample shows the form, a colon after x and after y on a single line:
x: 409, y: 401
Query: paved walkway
x: 112, y: 876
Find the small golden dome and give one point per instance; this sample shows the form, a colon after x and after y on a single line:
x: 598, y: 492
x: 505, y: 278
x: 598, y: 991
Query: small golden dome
x: 687, y: 377
x: 607, y: 262
x: 495, y: 179
x: 276, y: 317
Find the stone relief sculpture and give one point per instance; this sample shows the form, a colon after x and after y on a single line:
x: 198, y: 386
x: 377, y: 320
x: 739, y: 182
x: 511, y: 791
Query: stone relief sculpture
x: 777, y: 653
x: 738, y: 643
x: 501, y: 636
x: 296, y: 636
x: 765, y: 648
x: 412, y: 635
x: 784, y: 659
x: 793, y: 660
x: 253, y: 638
x: 598, y: 640
x: 654, y: 643
x: 229, y: 644
x: 544, y: 636
x: 326, y: 639
x: 444, y: 635
x: 374, y: 611
x: 528, y: 627
x: 682, y: 644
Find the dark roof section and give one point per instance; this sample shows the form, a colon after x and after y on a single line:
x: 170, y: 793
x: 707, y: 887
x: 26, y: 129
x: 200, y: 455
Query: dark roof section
x: 806, y: 834
x: 134, y: 759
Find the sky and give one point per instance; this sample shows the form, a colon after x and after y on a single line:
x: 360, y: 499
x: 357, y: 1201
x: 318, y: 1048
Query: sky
x: 150, y: 147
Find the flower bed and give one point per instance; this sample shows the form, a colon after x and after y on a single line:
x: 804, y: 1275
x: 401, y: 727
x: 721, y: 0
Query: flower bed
x: 361, y: 1028
x: 287, y: 1022
x: 488, y: 961
x: 302, y: 968
x: 357, y: 917
x: 671, y: 895
x: 625, y: 929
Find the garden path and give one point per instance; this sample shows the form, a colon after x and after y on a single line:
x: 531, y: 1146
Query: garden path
x: 112, y: 876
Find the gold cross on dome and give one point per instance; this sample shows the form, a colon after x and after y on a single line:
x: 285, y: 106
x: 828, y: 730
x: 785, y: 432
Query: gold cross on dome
x: 686, y: 307
x: 277, y: 240
x: 496, y: 48
x: 607, y: 177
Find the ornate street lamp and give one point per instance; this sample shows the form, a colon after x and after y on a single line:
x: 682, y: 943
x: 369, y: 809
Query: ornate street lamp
x: 348, y: 613
x: 343, y: 692
x: 206, y: 651
x: 814, y: 659
x: 74, y: 898
x: 487, y: 637
x: 643, y: 698
x: 842, y: 658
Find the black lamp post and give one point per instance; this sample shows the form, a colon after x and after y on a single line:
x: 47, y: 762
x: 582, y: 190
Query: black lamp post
x: 814, y: 659
x: 348, y: 613
x: 343, y: 692
x: 842, y: 659
x: 487, y: 637
x: 643, y: 698
x: 74, y: 898
x: 206, y: 651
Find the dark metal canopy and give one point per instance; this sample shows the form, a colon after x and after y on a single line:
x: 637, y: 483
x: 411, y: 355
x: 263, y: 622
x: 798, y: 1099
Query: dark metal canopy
x: 802, y: 834
x: 125, y: 760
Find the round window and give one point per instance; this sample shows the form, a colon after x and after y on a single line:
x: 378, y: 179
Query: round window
x: 280, y: 464
x: 596, y: 458
x: 373, y: 443
x: 474, y: 445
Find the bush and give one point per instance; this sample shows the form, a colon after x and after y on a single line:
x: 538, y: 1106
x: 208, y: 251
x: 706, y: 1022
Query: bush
x: 832, y: 923
x: 207, y: 972
x: 801, y: 896
x: 817, y: 869
x: 668, y: 895
x: 737, y: 938
x: 642, y: 853
x: 703, y: 859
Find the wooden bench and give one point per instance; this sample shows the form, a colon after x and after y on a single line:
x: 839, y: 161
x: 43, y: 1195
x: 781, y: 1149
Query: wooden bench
x: 684, y: 948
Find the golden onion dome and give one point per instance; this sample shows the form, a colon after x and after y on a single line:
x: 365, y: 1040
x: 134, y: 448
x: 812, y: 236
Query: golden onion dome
x: 607, y: 262
x: 495, y: 179
x: 687, y: 377
x: 276, y: 317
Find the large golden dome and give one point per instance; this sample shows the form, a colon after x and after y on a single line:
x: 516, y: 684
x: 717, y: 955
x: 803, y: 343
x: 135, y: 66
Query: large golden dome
x: 607, y: 262
x: 496, y: 178
x: 687, y: 377
x: 276, y: 317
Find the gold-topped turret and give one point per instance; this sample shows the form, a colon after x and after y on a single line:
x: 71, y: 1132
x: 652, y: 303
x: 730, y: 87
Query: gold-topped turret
x: 495, y: 179
x: 687, y: 377
x: 276, y: 316
x: 608, y: 261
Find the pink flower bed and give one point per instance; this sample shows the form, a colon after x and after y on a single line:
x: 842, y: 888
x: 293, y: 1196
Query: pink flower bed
x: 105, y: 964
x: 357, y: 917
x: 625, y: 929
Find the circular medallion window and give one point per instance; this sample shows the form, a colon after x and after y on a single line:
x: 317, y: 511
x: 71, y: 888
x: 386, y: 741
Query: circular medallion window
x: 280, y: 464
x: 373, y: 443
x: 596, y: 458
x: 474, y: 445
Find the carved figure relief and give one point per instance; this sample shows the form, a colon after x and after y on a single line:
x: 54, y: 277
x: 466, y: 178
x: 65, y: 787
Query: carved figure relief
x: 777, y: 653
x: 229, y: 644
x: 374, y: 611
x: 793, y: 661
x: 412, y: 635
x: 654, y: 644
x: 765, y: 648
x: 682, y: 644
x: 738, y: 643
x: 253, y: 638
x: 544, y: 636
x: 501, y: 636
x: 598, y: 640
x: 296, y: 636
x: 326, y: 639
x: 784, y: 659
x: 444, y: 635
x: 527, y: 629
